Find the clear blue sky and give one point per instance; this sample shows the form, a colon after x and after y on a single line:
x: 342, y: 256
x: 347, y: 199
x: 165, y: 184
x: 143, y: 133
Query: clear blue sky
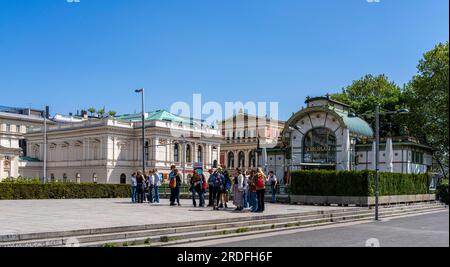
x: 96, y: 52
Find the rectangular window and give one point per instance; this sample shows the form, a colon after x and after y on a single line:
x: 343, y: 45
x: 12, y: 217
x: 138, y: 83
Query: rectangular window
x: 8, y: 127
x: 18, y: 128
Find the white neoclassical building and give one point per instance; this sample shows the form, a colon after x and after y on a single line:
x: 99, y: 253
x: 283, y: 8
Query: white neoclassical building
x: 14, y: 124
x: 325, y: 135
x: 108, y: 150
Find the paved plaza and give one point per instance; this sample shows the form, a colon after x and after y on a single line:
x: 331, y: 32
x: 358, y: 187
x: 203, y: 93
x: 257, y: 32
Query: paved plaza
x: 38, y: 216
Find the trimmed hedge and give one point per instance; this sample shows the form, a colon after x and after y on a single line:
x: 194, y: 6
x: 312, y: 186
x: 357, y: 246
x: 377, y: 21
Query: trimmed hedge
x: 357, y: 183
x: 10, y: 191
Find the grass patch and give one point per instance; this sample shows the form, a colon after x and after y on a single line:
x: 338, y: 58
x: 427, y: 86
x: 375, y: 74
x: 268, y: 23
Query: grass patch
x: 242, y: 230
x: 110, y: 245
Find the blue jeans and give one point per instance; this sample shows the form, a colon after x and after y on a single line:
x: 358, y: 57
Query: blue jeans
x: 201, y: 197
x: 245, y: 199
x: 156, y: 195
x: 274, y: 192
x: 254, y: 201
x: 150, y: 194
x: 134, y: 194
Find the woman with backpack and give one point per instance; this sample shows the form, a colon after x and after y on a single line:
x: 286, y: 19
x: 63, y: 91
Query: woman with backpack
x: 260, y: 189
x: 174, y: 184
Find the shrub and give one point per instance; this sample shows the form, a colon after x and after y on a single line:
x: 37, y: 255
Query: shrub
x: 442, y: 191
x: 356, y: 183
x: 10, y: 191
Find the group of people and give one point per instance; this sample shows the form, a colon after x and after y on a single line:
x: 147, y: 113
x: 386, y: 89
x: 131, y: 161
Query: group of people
x: 247, y: 187
x: 145, y: 186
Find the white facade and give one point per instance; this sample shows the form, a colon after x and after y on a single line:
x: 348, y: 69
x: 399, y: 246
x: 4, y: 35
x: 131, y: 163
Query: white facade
x: 109, y: 150
x: 14, y: 124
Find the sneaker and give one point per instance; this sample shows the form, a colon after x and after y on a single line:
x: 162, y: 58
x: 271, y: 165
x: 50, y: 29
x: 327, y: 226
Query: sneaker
x: 220, y: 206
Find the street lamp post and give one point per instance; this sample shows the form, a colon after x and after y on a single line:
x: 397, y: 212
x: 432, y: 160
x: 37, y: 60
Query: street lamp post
x: 377, y: 152
x: 183, y: 143
x: 143, y: 128
x: 377, y: 161
x: 45, y: 145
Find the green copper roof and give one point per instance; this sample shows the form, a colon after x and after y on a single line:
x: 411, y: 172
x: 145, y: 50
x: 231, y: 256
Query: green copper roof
x: 355, y: 124
x: 159, y: 115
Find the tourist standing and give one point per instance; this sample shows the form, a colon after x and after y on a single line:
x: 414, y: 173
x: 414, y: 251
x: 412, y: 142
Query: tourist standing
x: 172, y: 184
x: 158, y: 182
x: 217, y: 177
x: 260, y: 189
x: 175, y: 185
x: 151, y: 185
x: 238, y: 189
x: 253, y: 197
x: 197, y: 187
x: 245, y: 192
x: 140, y: 184
x: 226, y: 181
x: 211, y: 181
x: 273, y: 181
x: 133, y: 188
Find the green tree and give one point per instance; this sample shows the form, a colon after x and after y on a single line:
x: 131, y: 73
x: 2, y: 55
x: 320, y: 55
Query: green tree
x: 92, y: 111
x: 112, y: 113
x: 363, y: 95
x: 101, y: 112
x: 427, y: 98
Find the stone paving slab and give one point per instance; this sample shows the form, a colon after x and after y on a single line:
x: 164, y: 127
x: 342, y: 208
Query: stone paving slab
x: 40, y: 216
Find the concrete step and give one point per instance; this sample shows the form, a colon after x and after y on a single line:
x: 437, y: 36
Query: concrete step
x: 187, y: 237
x: 193, y: 229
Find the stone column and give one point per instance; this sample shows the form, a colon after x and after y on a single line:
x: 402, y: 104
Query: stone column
x: 1, y: 167
x: 14, y: 167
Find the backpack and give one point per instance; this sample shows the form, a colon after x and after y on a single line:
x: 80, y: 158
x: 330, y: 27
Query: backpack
x: 260, y: 182
x: 173, y: 183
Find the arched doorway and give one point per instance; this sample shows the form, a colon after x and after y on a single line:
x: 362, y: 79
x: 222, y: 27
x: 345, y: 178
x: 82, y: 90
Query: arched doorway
x: 241, y: 160
x: 252, y: 159
x: 319, y: 147
x: 230, y: 160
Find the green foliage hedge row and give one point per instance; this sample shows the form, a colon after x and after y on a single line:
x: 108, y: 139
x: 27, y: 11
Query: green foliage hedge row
x: 442, y: 191
x: 10, y: 191
x: 357, y: 183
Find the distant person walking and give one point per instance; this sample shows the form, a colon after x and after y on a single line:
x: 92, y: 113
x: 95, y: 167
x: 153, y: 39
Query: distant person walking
x: 133, y: 188
x: 273, y: 181
x: 140, y: 181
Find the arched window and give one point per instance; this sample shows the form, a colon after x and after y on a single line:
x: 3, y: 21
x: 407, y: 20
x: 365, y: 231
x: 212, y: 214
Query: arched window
x: 200, y: 154
x: 52, y: 177
x: 78, y: 178
x: 241, y: 160
x: 65, y: 178
x: 123, y: 178
x: 230, y: 160
x: 176, y: 152
x: 319, y: 146
x: 188, y: 154
x: 252, y: 159
x: 94, y: 178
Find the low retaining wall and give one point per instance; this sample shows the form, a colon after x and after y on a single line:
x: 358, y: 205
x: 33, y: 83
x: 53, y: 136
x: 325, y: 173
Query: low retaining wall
x: 360, y: 201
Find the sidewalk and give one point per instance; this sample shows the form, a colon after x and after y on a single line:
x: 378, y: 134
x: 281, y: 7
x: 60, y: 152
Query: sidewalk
x: 37, y: 216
